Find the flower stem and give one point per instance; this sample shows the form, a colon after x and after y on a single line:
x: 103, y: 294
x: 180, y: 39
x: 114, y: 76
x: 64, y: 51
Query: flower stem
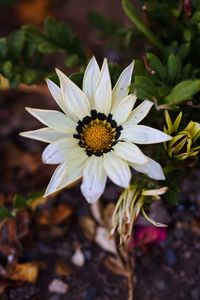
x: 131, y: 13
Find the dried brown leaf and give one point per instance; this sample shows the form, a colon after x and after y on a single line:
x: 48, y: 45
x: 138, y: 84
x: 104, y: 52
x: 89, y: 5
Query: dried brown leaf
x: 27, y: 272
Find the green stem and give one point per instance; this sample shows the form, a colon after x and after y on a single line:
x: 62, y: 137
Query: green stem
x: 131, y: 13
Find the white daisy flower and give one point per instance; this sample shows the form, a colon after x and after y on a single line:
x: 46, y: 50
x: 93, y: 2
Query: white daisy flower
x: 96, y: 134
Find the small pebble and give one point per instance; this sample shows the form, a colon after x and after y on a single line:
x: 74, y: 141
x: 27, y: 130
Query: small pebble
x: 187, y: 254
x: 78, y: 258
x: 58, y: 286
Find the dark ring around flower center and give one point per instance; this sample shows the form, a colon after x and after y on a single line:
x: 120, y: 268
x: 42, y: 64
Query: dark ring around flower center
x: 97, y: 133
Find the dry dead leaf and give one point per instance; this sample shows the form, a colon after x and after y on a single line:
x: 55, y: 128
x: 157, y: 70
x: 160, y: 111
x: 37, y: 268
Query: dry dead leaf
x: 3, y: 286
x: 88, y: 226
x: 62, y: 269
x: 103, y: 239
x: 115, y: 265
x: 38, y: 202
x: 61, y: 213
x: 55, y: 215
x: 27, y: 272
x: 107, y: 213
x: 195, y: 226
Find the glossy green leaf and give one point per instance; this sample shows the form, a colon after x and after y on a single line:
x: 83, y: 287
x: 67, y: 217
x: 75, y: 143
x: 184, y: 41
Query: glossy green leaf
x: 4, y: 212
x: 173, y: 67
x: 72, y: 61
x: 157, y: 66
x: 19, y: 202
x: 16, y: 41
x: 183, y: 91
x: 145, y: 88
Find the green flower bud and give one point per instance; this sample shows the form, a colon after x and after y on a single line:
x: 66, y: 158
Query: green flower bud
x: 184, y: 142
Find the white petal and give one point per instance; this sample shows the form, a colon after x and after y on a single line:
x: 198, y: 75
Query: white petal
x: 139, y: 113
x: 94, y: 179
x: 66, y: 174
x: 90, y: 78
x: 130, y: 152
x: 60, y: 150
x: 56, y: 94
x: 46, y: 135
x: 151, y: 169
x: 117, y: 169
x: 141, y: 134
x: 122, y: 111
x: 54, y: 119
x: 121, y: 88
x: 76, y: 101
x: 102, y: 95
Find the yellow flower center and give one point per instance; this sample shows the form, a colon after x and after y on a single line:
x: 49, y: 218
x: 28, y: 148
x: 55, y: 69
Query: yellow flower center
x: 98, y: 137
x: 97, y: 133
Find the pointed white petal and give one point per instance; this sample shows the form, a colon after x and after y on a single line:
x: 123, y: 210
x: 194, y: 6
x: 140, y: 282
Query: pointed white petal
x: 76, y: 101
x: 66, y: 174
x: 141, y: 134
x: 60, y: 150
x: 121, y: 88
x: 56, y: 94
x: 46, y: 135
x: 130, y: 152
x: 151, y: 169
x: 54, y: 119
x: 122, y: 111
x: 117, y: 169
x: 102, y: 95
x: 139, y: 113
x: 90, y: 78
x: 94, y: 179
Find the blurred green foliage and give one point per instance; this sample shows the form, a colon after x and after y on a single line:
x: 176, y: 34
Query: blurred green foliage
x: 24, y: 53
x: 19, y: 202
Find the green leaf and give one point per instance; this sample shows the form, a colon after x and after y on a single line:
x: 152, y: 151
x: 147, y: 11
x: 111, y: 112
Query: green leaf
x: 171, y: 197
x: 46, y: 47
x: 4, y: 212
x: 103, y: 23
x: 195, y: 17
x: 186, y: 71
x: 3, y: 48
x: 183, y: 91
x: 145, y: 88
x: 19, y: 202
x: 157, y: 66
x: 173, y: 67
x: 7, y: 69
x: 72, y: 61
x: 16, y: 41
x: 34, y: 196
x: 58, y: 32
x: 184, y: 50
x: 33, y: 34
x: 29, y: 76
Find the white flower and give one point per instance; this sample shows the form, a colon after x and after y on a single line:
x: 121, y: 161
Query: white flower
x: 96, y: 134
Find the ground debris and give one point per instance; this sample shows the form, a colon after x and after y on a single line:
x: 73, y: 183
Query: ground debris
x: 58, y: 286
